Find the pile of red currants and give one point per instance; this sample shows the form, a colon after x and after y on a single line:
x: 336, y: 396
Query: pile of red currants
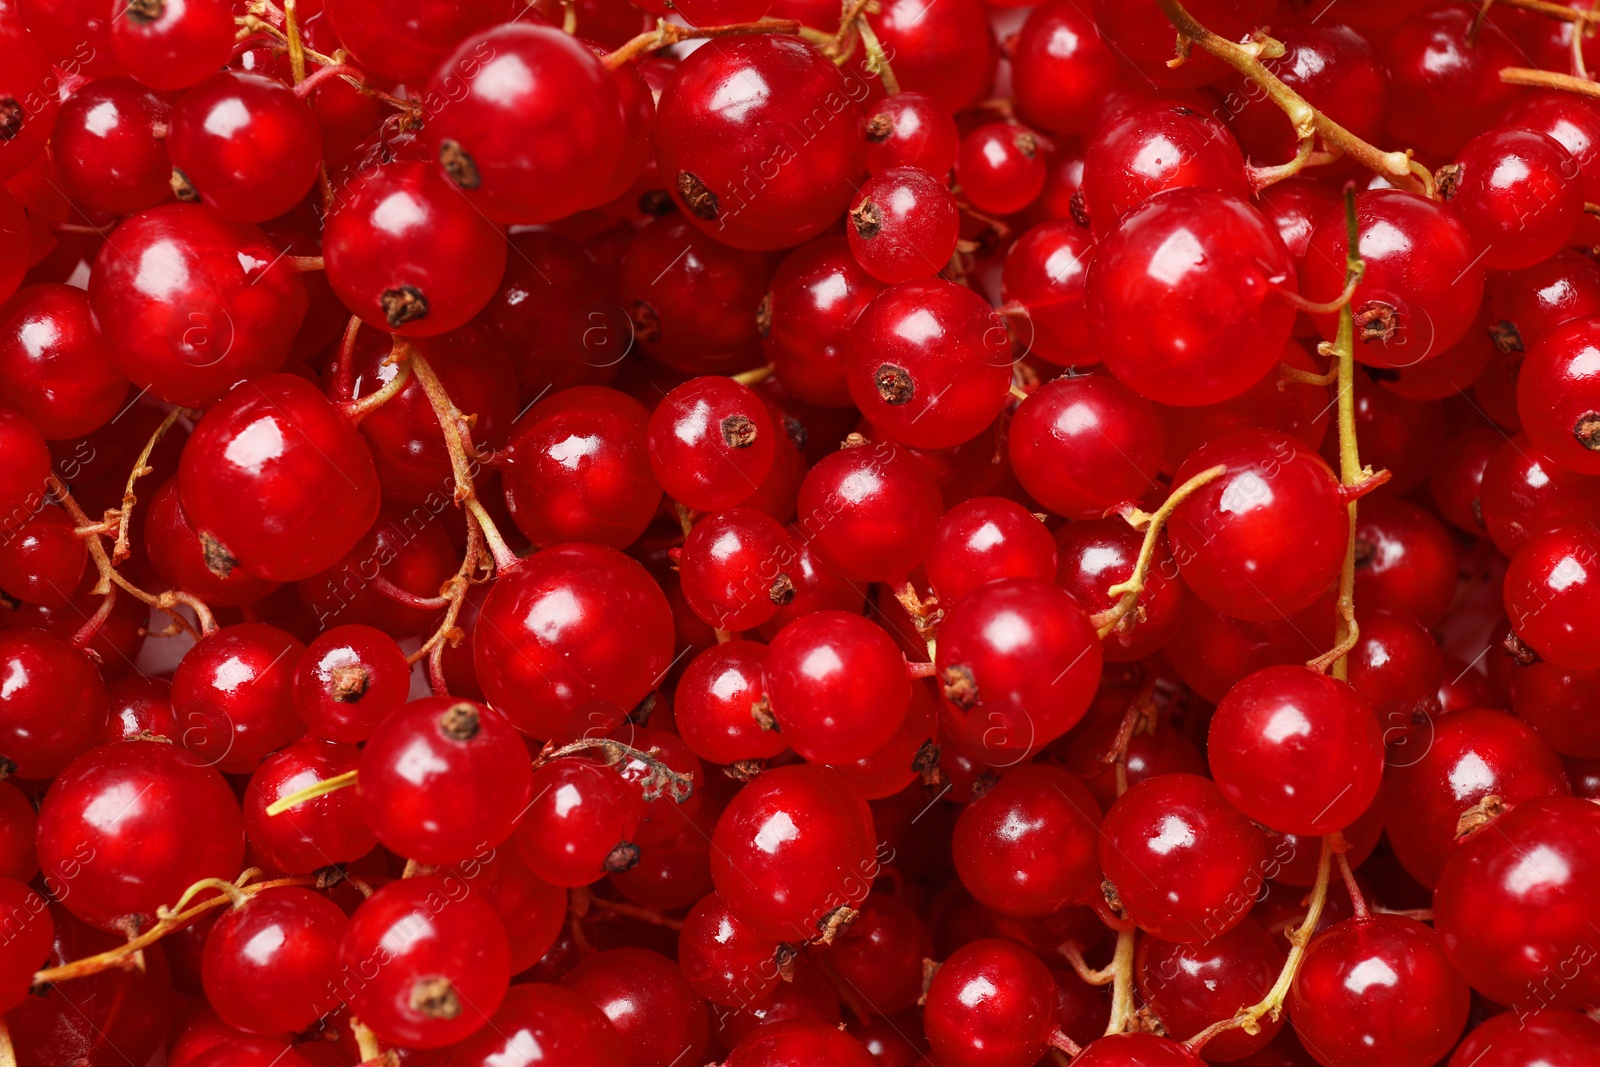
x: 789, y: 533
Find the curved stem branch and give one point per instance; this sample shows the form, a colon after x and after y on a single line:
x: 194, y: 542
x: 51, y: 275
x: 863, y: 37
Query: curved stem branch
x: 1546, y: 79
x: 141, y: 467
x: 666, y: 34
x: 356, y: 410
x: 660, y: 780
x: 1123, y: 1008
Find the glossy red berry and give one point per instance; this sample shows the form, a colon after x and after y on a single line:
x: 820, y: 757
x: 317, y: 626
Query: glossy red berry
x: 1060, y: 67
x: 792, y: 848
x: 1027, y: 846
x: 348, y: 680
x: 19, y: 859
x: 837, y: 685
x: 105, y: 147
x: 232, y: 696
x: 1152, y: 147
x: 718, y: 701
x: 1405, y: 561
x: 1196, y: 985
x: 277, y: 442
x: 244, y: 144
x: 711, y: 442
x: 880, y: 954
x: 269, y: 962
x: 869, y: 511
x: 27, y: 465
x: 408, y: 254
x: 991, y: 1004
x: 1183, y: 298
x: 1552, y: 590
x: 581, y: 824
x: 1516, y: 1039
x: 173, y: 44
x: 1096, y: 554
x: 571, y: 640
x: 910, y: 129
x: 1044, y: 276
x: 322, y: 832
x: 1000, y: 167
x: 644, y: 995
x: 422, y: 965
x: 29, y: 933
x: 1265, y: 538
x: 1083, y: 444
x: 577, y: 469
x: 191, y: 302
x: 984, y: 539
x: 42, y: 559
x: 1185, y: 864
x: 734, y: 566
x: 1296, y: 750
x: 1142, y: 37
x: 1537, y: 299
x: 945, y: 50
x: 723, y: 959
x: 130, y: 826
x: 56, y: 704
x: 711, y: 138
x: 815, y: 296
x: 1517, y: 192
x: 408, y: 46
x: 1445, y: 79
x: 442, y: 778
x: 34, y: 107
x: 533, y: 911
x: 903, y: 225
x: 1378, y: 990
x: 794, y: 1043
x: 178, y: 554
x: 1333, y: 67
x: 542, y: 1023
x: 1558, y: 396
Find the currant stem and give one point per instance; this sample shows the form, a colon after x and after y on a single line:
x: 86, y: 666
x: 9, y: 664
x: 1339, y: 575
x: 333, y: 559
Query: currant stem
x: 356, y: 410
x: 1262, y: 177
x: 751, y: 377
x: 1126, y: 594
x: 1555, y: 11
x: 1358, y: 900
x: 297, y: 48
x: 367, y: 1046
x: 312, y: 792
x: 583, y: 899
x: 1103, y: 976
x: 1123, y: 1008
x: 660, y: 781
x: 877, y: 60
x: 666, y: 34
x: 1398, y: 167
x: 1545, y: 79
x: 141, y: 467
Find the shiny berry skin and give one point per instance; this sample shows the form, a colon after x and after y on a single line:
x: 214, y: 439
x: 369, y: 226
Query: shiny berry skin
x: 723, y: 959
x: 880, y: 954
x: 1378, y: 990
x: 1000, y: 167
x: 30, y: 932
x: 1572, y: 123
x: 173, y: 44
x: 1044, y: 274
x: 815, y: 297
x: 179, y: 555
x: 1445, y: 79
x: 533, y: 911
x: 1448, y: 766
x: 1524, y: 494
x: 16, y: 240
x: 796, y: 1043
x: 577, y: 469
x: 910, y: 129
x: 946, y: 50
x: 1155, y: 146
x: 543, y: 1024
x: 1405, y: 561
x: 1027, y: 846
x: 1185, y: 864
x: 734, y: 568
x: 408, y: 254
x: 1096, y: 554
x: 246, y: 144
x: 276, y: 442
x: 269, y: 962
x: 1558, y: 396
x: 1060, y: 67
x: 790, y: 849
x: 1558, y: 703
x: 105, y: 148
x: 130, y: 826
x: 527, y: 117
x: 42, y: 559
x: 422, y: 964
x: 1422, y: 286
x: 55, y: 702
x: 869, y: 511
x: 581, y: 824
x: 1518, y: 195
x: 984, y: 539
x: 903, y: 225
x: 1141, y: 35
x: 929, y: 363
x: 407, y: 46
x: 19, y: 859
x: 411, y: 550
x: 1083, y: 444
x: 348, y: 680
x: 232, y: 696
x: 1192, y: 986
x: 1268, y: 536
x: 28, y: 77
x: 644, y: 995
x: 1395, y: 665
x: 1296, y: 750
x: 1552, y: 591
x: 729, y: 112
x: 711, y: 442
x: 1515, y: 901
x: 571, y: 640
x: 1136, y: 1050
x: 991, y: 1004
x: 1182, y: 297
x: 327, y: 830
x: 1538, y: 299
x: 1020, y: 659
x: 1524, y: 1039
x: 716, y: 702
x: 443, y: 777
x: 27, y: 465
x: 837, y: 685
x: 190, y: 302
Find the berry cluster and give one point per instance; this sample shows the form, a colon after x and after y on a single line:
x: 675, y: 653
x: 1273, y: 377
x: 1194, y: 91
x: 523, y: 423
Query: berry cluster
x: 771, y: 533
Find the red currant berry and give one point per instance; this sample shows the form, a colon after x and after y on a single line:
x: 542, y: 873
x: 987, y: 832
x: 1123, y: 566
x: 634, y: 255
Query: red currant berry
x: 232, y: 695
x: 1000, y: 167
x: 1520, y: 1039
x: 1027, y: 846
x: 1060, y: 67
x: 1195, y: 985
x: 19, y: 859
x: 1445, y: 78
x: 408, y: 46
x: 534, y: 911
x: 173, y: 44
x: 1078, y: 424
x: 1516, y: 193
x: 27, y: 465
x: 314, y: 834
x: 1151, y: 147
x: 658, y: 1017
x: 1141, y: 35
x: 1559, y: 703
x: 815, y: 297
x: 43, y: 559
x: 1552, y: 591
x: 105, y: 147
x: 796, y: 1043
x: 910, y: 129
x: 1333, y: 67
x: 903, y: 225
x: 1405, y: 561
x: 179, y: 555
x: 348, y: 680
x: 31, y: 110
x: 985, y: 539
x: 1044, y: 275
x: 869, y: 511
x: 945, y: 50
x: 29, y: 934
x: 734, y: 568
x: 723, y: 959
x: 1523, y: 495
x: 245, y: 144
x: 838, y: 686
x: 991, y: 1004
x: 55, y: 702
x: 711, y: 442
x: 581, y: 823
x: 1558, y: 397
x: 270, y: 961
x: 1096, y: 554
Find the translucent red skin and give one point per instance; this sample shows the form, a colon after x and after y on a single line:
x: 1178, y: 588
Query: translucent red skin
x: 311, y: 474
x: 1412, y: 568
x: 881, y: 953
x: 796, y: 1043
x: 217, y: 303
x: 1298, y: 409
x: 921, y: 134
x: 1560, y: 704
x: 711, y: 442
x: 644, y: 995
x: 406, y: 46
x: 784, y: 889
x: 268, y: 965
x: 178, y: 556
x: 715, y: 141
x: 1363, y: 1020
x: 1175, y: 835
x: 580, y: 812
x: 1082, y: 444
x: 28, y: 943
x: 533, y: 911
x: 1558, y: 388
x: 1524, y: 494
x: 232, y: 693
x: 715, y: 699
x: 42, y: 560
x: 1396, y: 665
x: 916, y: 230
x: 1551, y: 594
x: 1000, y: 167
x: 1027, y: 846
x: 184, y: 825
x: 985, y: 538
x: 813, y: 299
x: 177, y: 48
x: 1296, y: 750
x: 1139, y: 33
x: 1151, y: 329
x: 1442, y: 85
x: 1044, y: 272
x: 408, y: 547
x: 386, y: 684
x: 869, y: 512
x: 991, y: 1004
x: 1152, y: 1051
x: 731, y: 564
x: 57, y: 706
x: 945, y: 50
x: 1520, y: 222
x: 837, y: 685
x: 1152, y: 147
x: 314, y: 834
x: 55, y: 368
x: 27, y: 465
x: 1574, y: 123
x: 1512, y: 1039
x: 258, y: 168
x: 19, y: 859
x: 723, y: 959
x: 419, y: 928
x: 1537, y: 300
x: 27, y: 77
x: 1196, y: 985
x: 437, y: 244
x: 1059, y: 68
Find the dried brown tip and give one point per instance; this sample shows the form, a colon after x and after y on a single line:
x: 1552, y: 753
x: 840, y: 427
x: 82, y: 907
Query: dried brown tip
x: 146, y: 10
x: 1377, y: 321
x: 926, y: 763
x: 702, y: 202
x: 460, y: 722
x: 878, y: 128
x: 403, y: 304
x: 1518, y: 650
x: 218, y: 560
x: 1506, y: 337
x: 894, y: 384
x: 625, y: 857
x: 1587, y: 430
x: 761, y: 712
x: 782, y: 590
x: 182, y: 188
x: 960, y: 687
x: 1479, y: 815
x: 783, y: 957
x: 743, y: 770
x: 1447, y: 179
x: 866, y: 218
x: 739, y: 431
x: 835, y: 923
x: 1364, y: 552
x: 646, y: 320
x: 348, y: 684
x: 458, y: 164
x: 1027, y: 144
x: 764, y: 316
x: 435, y: 997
